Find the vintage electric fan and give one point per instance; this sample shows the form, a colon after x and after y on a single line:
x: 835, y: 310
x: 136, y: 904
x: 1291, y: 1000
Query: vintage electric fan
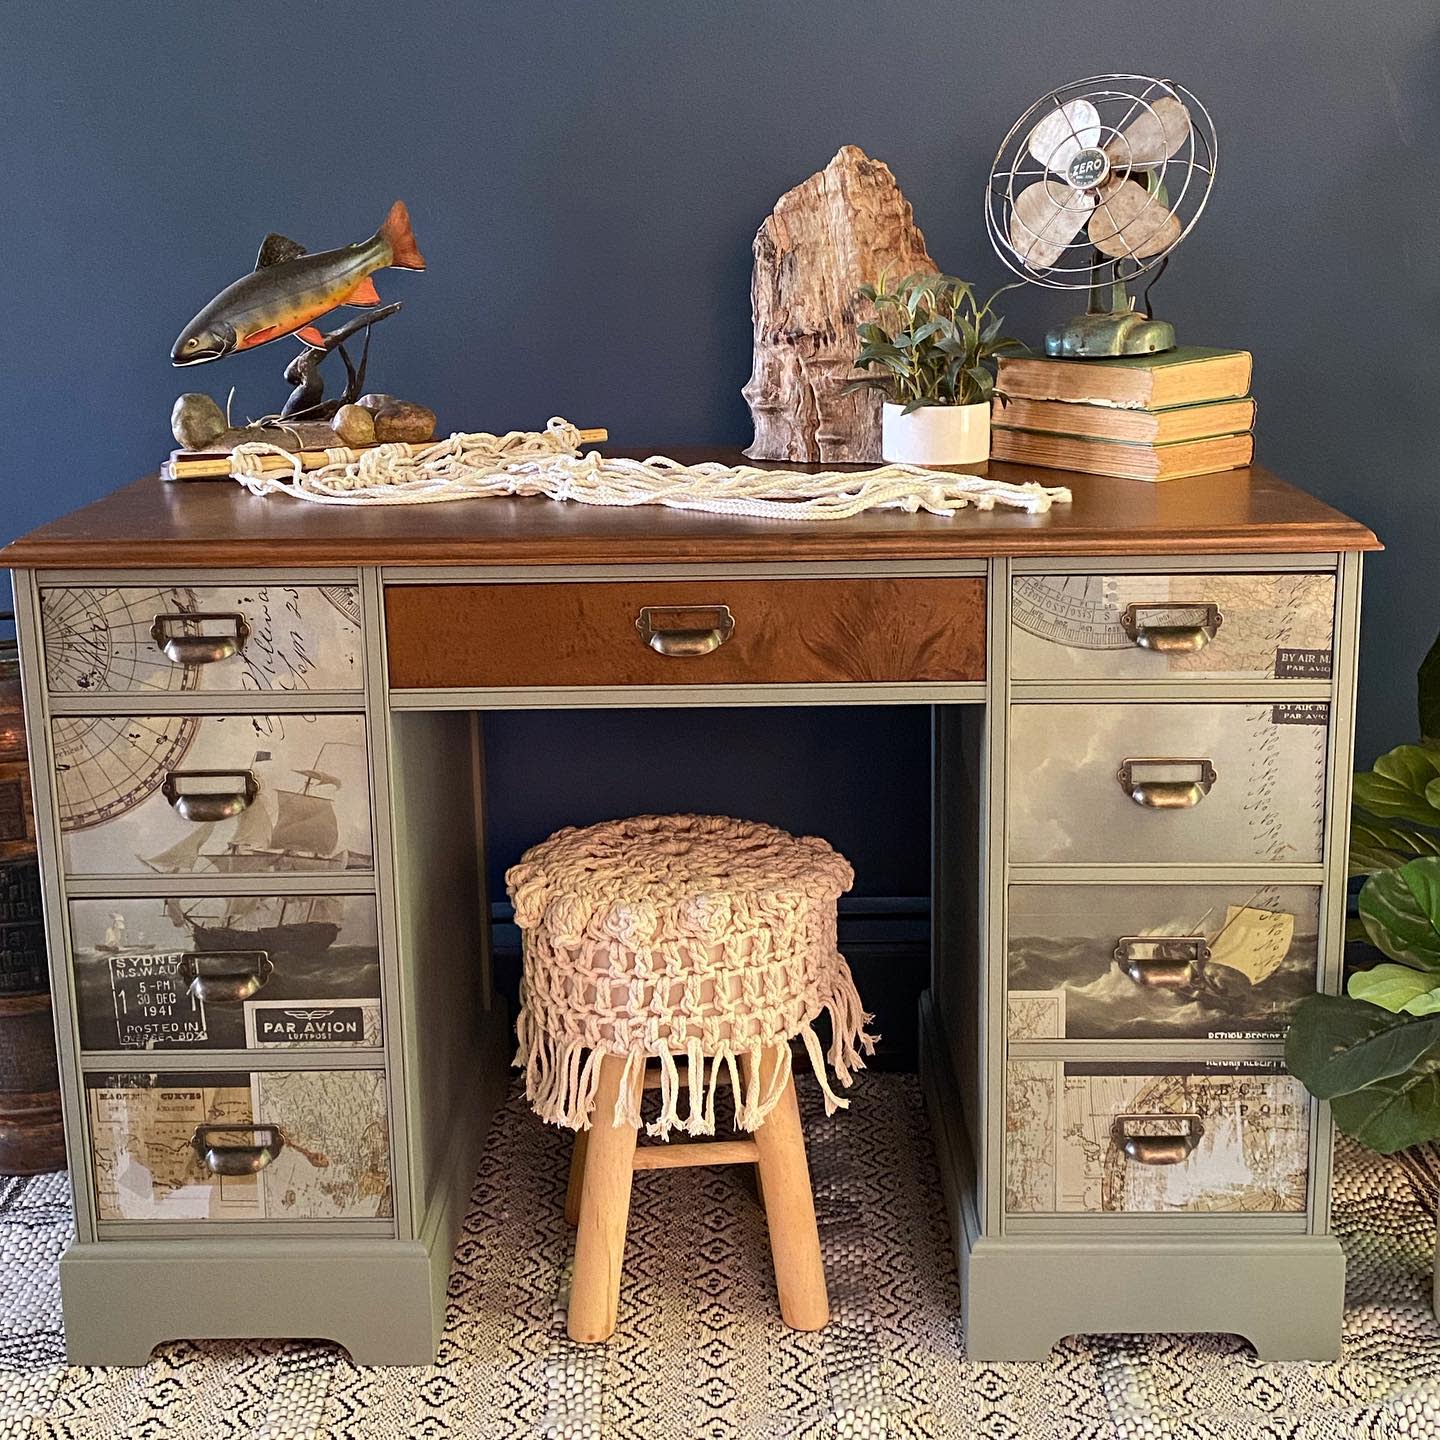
x: 1095, y: 185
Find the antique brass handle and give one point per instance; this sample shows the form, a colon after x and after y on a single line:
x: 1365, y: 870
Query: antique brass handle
x: 1182, y: 1135
x: 248, y: 971
x: 1165, y: 791
x: 685, y: 629
x: 210, y: 804
x: 221, y: 1159
x: 1190, y: 626
x: 1162, y: 962
x: 186, y: 649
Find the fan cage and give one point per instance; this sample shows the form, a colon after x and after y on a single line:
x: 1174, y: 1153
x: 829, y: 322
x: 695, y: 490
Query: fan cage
x: 1128, y: 97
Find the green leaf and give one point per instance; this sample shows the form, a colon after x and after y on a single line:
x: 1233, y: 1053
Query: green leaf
x: 1401, y: 911
x: 1393, y: 1114
x: 1396, y: 988
x: 1337, y: 1045
x: 1384, y: 844
x: 1397, y: 785
x: 1429, y: 678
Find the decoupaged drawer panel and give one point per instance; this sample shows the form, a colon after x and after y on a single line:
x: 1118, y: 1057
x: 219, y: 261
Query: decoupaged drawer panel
x: 212, y: 794
x: 256, y: 1145
x: 1108, y: 1137
x: 135, y: 639
x: 1159, y: 962
x: 239, y: 972
x: 1169, y: 627
x: 1147, y: 783
x: 711, y: 632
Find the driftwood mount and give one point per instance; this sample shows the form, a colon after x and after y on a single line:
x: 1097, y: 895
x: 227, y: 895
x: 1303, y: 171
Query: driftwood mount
x: 829, y: 235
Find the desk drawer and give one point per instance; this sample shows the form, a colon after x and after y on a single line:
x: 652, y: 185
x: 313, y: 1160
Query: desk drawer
x: 1159, y: 962
x: 1105, y: 1137
x: 299, y: 1145
x: 710, y: 632
x: 1167, y: 627
x: 221, y: 795
x: 1145, y: 783
x: 252, y: 638
x: 235, y: 972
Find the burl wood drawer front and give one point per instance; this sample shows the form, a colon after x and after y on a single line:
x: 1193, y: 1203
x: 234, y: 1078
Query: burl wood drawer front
x: 247, y: 1145
x: 1159, y: 962
x: 212, y: 794
x: 216, y: 638
x: 1141, y: 783
x: 231, y: 972
x: 1105, y: 1137
x: 1167, y: 627
x: 686, y: 633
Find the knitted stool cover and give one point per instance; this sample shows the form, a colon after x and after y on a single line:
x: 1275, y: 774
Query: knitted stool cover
x: 680, y: 937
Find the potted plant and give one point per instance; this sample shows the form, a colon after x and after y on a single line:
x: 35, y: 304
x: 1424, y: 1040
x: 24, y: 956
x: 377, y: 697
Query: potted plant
x: 934, y: 348
x: 1374, y: 1052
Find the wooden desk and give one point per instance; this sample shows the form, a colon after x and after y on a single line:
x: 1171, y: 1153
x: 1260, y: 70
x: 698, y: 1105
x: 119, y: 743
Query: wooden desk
x: 262, y: 842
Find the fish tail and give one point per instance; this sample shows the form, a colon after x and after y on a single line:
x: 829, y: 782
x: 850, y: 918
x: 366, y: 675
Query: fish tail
x: 398, y: 235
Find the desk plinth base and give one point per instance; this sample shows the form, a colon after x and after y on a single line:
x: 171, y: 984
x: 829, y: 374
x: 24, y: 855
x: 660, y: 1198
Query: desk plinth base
x: 1021, y: 1294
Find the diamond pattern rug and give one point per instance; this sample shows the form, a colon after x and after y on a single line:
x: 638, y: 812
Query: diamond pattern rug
x: 700, y: 1351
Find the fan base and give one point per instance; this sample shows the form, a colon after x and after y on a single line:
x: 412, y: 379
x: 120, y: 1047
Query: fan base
x: 1104, y: 335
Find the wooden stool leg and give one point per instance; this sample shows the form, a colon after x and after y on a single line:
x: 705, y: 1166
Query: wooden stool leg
x: 790, y: 1215
x: 604, y: 1214
x: 577, y: 1178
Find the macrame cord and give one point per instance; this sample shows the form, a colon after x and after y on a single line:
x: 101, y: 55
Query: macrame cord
x: 549, y: 463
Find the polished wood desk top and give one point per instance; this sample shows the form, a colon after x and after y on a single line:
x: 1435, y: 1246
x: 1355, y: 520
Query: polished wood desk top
x: 217, y: 523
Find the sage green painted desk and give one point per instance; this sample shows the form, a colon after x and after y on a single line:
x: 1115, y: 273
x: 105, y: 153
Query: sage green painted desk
x: 260, y: 799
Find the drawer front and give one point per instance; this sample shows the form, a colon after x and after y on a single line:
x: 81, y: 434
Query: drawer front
x: 238, y: 972
x: 212, y: 795
x: 673, y: 633
x: 1126, y: 627
x: 1105, y: 1138
x: 295, y: 1145
x: 253, y: 638
x: 1137, y: 783
x: 1159, y: 962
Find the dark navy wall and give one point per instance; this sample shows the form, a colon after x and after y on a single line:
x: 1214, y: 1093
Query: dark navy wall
x: 586, y: 179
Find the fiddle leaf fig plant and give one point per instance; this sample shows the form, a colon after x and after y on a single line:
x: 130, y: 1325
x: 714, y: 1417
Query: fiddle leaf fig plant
x: 1374, y: 1052
x: 932, y: 342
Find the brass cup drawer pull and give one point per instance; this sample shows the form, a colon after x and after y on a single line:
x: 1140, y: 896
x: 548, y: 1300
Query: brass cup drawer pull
x: 232, y: 1159
x: 685, y: 629
x: 239, y: 975
x: 1165, y: 791
x: 191, y: 649
x: 1162, y: 962
x: 1165, y: 1140
x: 211, y: 805
x: 1171, y: 627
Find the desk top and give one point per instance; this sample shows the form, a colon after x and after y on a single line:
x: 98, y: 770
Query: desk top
x: 151, y: 524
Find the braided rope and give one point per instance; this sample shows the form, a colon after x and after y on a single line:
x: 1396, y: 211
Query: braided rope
x: 549, y: 463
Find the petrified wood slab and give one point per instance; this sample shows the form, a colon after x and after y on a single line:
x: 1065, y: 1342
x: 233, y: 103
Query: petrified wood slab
x: 829, y: 235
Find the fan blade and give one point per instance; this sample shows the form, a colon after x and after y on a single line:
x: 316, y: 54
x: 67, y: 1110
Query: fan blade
x: 1128, y: 221
x: 1063, y: 134
x: 1153, y: 138
x: 1047, y: 216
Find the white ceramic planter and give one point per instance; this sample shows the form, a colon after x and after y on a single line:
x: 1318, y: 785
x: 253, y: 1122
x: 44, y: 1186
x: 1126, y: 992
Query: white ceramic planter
x: 935, y: 434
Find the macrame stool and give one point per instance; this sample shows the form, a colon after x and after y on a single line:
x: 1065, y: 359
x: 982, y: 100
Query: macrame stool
x: 695, y: 947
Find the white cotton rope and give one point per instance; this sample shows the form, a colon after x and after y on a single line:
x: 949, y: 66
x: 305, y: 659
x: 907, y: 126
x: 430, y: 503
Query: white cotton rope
x: 549, y: 463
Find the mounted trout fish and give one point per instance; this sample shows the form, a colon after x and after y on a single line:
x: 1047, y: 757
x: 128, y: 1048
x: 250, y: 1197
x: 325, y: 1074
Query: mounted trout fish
x: 289, y: 288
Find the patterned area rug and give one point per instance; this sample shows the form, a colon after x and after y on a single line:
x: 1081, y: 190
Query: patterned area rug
x: 700, y: 1351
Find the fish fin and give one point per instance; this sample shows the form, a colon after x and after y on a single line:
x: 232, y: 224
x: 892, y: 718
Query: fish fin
x: 276, y: 249
x: 397, y: 234
x: 311, y: 336
x: 364, y: 293
x: 259, y: 337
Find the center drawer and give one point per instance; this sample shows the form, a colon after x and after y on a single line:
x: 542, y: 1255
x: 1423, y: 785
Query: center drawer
x: 1129, y: 783
x: 221, y: 795
x: 686, y: 633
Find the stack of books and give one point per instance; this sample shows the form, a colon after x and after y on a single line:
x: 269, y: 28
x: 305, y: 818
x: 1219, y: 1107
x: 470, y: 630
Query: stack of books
x: 1185, y: 411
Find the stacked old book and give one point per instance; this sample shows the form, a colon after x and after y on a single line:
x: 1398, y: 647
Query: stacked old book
x: 1183, y: 412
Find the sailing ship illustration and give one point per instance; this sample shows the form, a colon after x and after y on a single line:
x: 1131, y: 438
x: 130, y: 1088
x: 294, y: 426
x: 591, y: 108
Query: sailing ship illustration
x: 301, y: 833
x: 1248, y: 948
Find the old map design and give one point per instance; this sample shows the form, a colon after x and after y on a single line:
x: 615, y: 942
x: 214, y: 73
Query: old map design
x: 1250, y: 1123
x: 1277, y: 626
x: 334, y: 1164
